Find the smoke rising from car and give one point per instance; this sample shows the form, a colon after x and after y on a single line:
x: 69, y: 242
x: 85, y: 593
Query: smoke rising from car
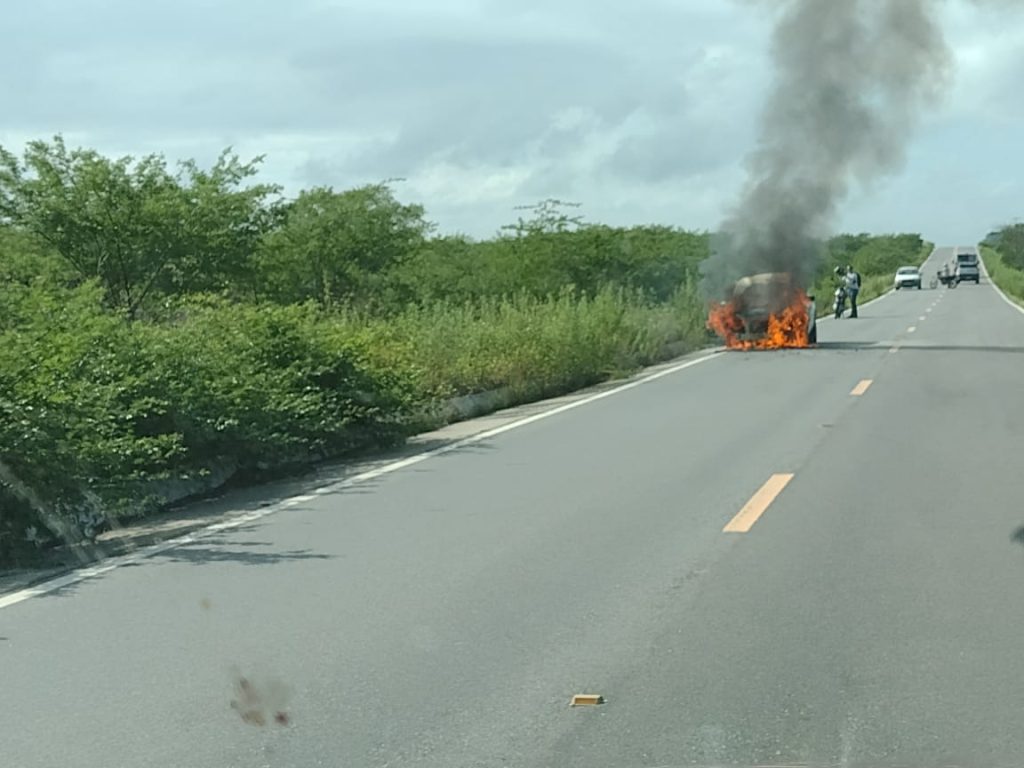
x: 851, y: 79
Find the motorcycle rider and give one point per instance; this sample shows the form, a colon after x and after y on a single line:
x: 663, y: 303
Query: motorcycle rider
x: 852, y: 288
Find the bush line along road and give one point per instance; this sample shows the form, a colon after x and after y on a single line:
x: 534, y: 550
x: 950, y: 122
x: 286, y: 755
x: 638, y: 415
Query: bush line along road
x: 859, y: 610
x: 165, y: 332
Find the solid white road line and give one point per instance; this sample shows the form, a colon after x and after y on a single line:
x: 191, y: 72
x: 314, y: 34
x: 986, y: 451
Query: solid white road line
x: 105, y: 566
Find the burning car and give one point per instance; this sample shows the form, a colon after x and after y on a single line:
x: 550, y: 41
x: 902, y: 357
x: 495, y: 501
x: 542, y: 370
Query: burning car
x: 766, y: 311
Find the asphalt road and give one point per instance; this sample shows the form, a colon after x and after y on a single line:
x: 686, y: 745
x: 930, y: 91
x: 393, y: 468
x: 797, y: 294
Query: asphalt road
x: 443, y: 614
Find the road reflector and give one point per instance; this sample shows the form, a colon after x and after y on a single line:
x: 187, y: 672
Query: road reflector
x: 586, y: 700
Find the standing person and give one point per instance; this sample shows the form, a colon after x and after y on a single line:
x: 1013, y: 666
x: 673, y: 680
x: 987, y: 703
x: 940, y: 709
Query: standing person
x: 852, y: 288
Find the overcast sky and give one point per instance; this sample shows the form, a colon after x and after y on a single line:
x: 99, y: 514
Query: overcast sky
x: 640, y: 111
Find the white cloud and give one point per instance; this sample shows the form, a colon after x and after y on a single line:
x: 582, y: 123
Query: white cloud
x: 642, y: 112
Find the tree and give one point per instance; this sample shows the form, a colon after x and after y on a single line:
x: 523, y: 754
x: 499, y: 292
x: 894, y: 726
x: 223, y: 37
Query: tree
x: 553, y: 249
x: 1011, y: 245
x: 223, y: 225
x: 133, y: 224
x: 542, y: 248
x: 337, y: 246
x: 548, y: 218
x: 25, y: 260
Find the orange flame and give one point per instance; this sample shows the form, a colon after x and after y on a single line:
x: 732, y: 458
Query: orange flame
x: 786, y: 329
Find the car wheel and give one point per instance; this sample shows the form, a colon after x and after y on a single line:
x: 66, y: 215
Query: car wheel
x: 919, y: 286
x: 897, y: 287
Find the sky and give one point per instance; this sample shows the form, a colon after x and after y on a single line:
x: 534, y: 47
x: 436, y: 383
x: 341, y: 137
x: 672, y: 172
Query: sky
x: 641, y: 112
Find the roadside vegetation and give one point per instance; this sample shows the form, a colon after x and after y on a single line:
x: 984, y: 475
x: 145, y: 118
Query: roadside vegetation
x: 876, y: 258
x: 1003, y: 254
x: 165, y: 330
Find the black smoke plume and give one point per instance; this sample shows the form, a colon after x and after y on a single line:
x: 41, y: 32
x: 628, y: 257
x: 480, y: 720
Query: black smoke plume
x: 851, y: 79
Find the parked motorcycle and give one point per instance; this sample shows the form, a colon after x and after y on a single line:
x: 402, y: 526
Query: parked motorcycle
x: 839, y: 304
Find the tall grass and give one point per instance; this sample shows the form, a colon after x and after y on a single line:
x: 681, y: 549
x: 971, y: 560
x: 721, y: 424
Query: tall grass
x: 95, y: 408
x: 875, y: 286
x: 530, y: 345
x: 1009, y: 279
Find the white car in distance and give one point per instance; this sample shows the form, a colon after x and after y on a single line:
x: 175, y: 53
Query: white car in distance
x: 908, y: 277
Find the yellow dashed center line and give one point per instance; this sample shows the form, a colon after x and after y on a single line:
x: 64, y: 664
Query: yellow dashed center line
x: 760, y: 501
x: 861, y: 388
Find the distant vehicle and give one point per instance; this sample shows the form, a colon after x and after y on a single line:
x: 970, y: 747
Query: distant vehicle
x: 908, y: 277
x: 947, y: 276
x: 839, y: 302
x: 967, y: 268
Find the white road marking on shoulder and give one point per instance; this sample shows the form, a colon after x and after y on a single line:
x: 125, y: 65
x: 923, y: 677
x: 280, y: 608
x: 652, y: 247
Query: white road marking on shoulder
x: 105, y: 566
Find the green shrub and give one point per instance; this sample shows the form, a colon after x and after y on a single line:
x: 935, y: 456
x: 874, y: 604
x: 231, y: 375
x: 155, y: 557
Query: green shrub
x: 91, y: 403
x: 1008, y: 278
x: 260, y: 384
x: 529, y: 344
x: 347, y: 318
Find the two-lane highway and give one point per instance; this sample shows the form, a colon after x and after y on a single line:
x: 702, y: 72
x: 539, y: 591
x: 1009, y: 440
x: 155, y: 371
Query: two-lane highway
x: 761, y: 559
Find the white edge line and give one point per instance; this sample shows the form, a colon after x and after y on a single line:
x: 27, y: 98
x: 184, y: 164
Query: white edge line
x: 1007, y: 299
x: 97, y: 569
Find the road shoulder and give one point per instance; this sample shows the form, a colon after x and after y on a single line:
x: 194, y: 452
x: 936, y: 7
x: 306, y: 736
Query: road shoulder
x: 191, y: 519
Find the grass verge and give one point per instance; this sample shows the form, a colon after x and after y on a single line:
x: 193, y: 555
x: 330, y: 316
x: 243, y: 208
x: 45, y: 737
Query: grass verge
x: 1009, y: 279
x: 101, y: 419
